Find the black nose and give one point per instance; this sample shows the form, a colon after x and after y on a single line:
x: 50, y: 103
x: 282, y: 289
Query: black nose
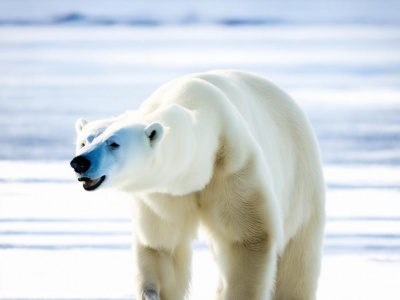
x: 80, y: 164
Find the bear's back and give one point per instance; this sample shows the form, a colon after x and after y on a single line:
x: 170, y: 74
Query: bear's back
x: 275, y: 120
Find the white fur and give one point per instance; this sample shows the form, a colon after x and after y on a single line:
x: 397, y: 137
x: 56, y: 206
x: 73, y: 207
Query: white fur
x: 234, y: 153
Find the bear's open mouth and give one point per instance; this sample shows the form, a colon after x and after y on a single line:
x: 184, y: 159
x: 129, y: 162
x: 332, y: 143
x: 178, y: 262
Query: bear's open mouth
x: 91, y: 184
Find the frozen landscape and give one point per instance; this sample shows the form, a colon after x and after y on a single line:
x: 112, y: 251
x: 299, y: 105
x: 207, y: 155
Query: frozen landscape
x: 61, y: 60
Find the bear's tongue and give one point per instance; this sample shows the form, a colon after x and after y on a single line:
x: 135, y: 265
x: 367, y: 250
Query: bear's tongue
x: 89, y: 183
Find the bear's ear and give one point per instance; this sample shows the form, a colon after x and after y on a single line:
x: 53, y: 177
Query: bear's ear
x: 154, y: 132
x: 80, y: 123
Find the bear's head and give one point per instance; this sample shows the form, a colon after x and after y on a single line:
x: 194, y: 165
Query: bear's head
x: 116, y: 153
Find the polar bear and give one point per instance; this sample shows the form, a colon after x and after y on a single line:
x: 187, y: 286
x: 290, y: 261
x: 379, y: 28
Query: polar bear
x: 227, y: 150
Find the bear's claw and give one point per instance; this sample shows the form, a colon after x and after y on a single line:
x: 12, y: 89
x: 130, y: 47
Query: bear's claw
x: 150, y: 294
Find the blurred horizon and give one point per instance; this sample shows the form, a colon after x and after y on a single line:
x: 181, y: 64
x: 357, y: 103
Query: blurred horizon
x: 180, y: 12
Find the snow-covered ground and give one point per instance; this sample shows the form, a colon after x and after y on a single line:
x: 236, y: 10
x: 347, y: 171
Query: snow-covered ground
x: 59, y: 242
x: 61, y: 60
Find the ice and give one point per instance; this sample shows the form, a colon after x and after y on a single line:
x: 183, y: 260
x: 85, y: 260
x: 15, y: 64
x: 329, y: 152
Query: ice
x: 62, y: 60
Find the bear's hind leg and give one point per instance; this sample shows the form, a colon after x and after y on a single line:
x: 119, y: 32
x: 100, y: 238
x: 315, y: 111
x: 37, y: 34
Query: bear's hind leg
x: 299, y: 265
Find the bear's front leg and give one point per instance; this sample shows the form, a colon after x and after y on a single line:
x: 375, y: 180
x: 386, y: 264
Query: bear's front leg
x: 162, y: 275
x: 247, y: 269
x: 162, y: 248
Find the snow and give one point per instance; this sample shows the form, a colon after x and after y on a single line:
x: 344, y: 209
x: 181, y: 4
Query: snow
x: 59, y: 242
x: 61, y: 60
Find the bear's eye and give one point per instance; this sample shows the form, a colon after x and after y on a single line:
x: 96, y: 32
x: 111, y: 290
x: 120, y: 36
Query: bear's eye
x: 114, y: 145
x: 82, y: 145
x: 152, y: 135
